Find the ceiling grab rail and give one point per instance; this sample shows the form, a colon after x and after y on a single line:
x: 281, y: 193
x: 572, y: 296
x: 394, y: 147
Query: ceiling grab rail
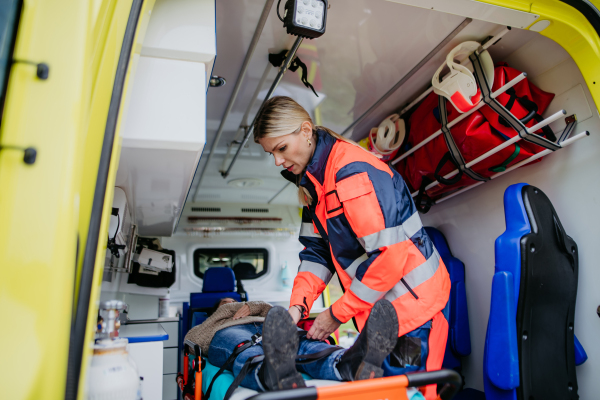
x: 498, y: 92
x: 244, y: 124
x: 517, y: 165
x: 284, y: 67
x: 238, y: 84
x: 348, y: 131
x: 557, y: 115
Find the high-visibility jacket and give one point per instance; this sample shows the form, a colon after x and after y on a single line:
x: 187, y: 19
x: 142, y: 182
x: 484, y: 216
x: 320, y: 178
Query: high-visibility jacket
x: 363, y: 224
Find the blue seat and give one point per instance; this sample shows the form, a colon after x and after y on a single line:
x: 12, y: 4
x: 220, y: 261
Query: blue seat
x: 530, y: 347
x: 459, y: 337
x: 219, y: 283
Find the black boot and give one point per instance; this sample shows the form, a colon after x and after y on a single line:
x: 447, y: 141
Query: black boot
x: 379, y: 336
x: 280, y: 345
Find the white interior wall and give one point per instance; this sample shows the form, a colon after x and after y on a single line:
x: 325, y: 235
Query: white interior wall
x: 268, y: 287
x: 472, y: 221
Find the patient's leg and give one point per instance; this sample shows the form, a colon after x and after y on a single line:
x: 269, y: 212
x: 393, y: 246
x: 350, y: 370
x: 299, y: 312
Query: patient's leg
x: 324, y: 368
x: 223, y: 344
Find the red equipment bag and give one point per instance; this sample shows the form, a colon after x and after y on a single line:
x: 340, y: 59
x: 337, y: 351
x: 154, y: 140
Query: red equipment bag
x: 477, y: 134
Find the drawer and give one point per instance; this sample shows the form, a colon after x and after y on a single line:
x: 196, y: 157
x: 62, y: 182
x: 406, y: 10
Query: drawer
x: 172, y: 329
x: 170, y: 361
x: 169, y: 389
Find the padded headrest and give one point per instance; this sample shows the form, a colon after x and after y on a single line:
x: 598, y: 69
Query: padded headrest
x: 218, y: 279
x: 244, y: 271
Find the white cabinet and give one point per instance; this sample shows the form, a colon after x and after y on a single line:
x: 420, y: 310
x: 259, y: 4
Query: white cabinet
x: 164, y: 128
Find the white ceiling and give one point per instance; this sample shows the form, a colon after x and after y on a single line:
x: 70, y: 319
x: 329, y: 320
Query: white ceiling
x: 368, y: 47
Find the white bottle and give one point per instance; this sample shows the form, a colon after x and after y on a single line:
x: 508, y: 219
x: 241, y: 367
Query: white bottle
x: 163, y: 305
x: 287, y: 278
x: 112, y: 375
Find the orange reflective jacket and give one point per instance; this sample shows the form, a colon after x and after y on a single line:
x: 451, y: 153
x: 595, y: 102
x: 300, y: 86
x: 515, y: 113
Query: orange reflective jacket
x: 363, y: 224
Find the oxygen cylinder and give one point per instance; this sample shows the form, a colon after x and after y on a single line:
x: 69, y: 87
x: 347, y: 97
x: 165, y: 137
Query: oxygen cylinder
x: 112, y: 375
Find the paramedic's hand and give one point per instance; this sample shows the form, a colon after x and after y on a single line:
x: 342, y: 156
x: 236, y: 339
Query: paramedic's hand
x: 323, y: 326
x: 295, y: 313
x: 244, y: 311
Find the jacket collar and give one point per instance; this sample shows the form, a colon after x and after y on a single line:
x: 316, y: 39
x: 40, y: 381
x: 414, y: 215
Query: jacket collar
x: 316, y: 166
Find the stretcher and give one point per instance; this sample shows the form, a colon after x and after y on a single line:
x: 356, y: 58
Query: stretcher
x: 192, y: 383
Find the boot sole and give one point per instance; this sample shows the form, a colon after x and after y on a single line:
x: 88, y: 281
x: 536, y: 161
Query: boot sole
x: 382, y: 335
x: 280, y: 345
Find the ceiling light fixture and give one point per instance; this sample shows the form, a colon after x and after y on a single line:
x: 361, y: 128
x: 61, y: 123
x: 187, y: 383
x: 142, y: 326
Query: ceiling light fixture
x: 304, y: 18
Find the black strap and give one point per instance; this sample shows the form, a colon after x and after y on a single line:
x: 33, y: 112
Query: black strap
x: 239, y: 348
x: 451, y: 181
x: 256, y: 338
x: 320, y: 228
x: 457, y: 157
x: 311, y: 358
x: 277, y: 59
x: 532, y: 109
x: 422, y: 202
x: 253, y: 362
x: 513, y: 121
x: 248, y: 366
x: 571, y: 122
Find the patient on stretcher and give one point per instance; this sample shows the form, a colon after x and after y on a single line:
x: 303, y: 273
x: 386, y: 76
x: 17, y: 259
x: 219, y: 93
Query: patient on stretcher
x: 274, y: 362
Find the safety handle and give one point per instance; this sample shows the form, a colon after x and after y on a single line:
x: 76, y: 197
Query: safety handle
x: 450, y: 379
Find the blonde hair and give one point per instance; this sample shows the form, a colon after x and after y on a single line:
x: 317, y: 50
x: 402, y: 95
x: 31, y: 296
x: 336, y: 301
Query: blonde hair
x: 280, y: 116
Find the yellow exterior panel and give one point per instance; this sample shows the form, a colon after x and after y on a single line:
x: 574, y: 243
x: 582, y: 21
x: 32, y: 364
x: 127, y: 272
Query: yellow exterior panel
x: 570, y: 29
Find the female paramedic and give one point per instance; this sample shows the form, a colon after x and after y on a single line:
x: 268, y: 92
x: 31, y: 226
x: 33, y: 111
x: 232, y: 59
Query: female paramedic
x: 358, y: 220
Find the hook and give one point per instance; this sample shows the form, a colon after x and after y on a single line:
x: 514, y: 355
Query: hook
x: 29, y: 153
x: 43, y: 70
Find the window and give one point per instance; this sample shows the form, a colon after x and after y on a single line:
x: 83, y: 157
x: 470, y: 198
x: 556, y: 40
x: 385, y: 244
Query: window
x: 246, y: 263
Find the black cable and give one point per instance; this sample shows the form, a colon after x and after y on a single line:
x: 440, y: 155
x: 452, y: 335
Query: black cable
x: 278, y: 15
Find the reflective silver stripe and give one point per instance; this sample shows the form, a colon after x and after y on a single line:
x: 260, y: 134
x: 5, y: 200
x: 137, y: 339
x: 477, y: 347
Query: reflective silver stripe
x: 412, y: 225
x: 385, y: 237
x: 308, y: 230
x: 351, y: 270
x: 364, y: 292
x: 415, y: 277
x: 318, y: 270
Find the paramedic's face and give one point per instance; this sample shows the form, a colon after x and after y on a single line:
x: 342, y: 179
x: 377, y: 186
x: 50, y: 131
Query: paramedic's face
x: 291, y: 151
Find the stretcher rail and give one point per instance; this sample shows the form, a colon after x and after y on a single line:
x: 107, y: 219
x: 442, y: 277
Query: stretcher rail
x: 498, y: 148
x: 455, y: 121
x: 520, y: 164
x: 372, y: 389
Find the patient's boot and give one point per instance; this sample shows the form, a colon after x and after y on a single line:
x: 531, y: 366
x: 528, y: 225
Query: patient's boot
x: 378, y: 338
x: 280, y: 345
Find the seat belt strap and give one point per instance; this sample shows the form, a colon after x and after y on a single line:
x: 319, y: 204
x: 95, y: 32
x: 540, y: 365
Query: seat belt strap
x: 495, y: 105
x: 256, y: 338
x: 452, y: 147
x: 250, y: 364
x: 311, y: 358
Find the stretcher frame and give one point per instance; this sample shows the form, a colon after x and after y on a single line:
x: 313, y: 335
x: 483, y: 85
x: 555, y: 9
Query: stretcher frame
x: 390, y: 388
x: 528, y: 132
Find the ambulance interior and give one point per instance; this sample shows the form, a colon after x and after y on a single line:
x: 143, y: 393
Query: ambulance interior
x: 181, y: 130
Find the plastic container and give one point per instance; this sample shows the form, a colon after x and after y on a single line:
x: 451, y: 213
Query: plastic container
x: 287, y: 278
x: 163, y: 305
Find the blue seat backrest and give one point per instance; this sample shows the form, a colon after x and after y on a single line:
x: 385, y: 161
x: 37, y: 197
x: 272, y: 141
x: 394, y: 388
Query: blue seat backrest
x: 219, y: 282
x: 459, y: 338
x: 501, y: 353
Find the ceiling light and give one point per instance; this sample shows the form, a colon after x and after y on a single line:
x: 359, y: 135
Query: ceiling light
x: 245, y: 183
x: 305, y: 18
